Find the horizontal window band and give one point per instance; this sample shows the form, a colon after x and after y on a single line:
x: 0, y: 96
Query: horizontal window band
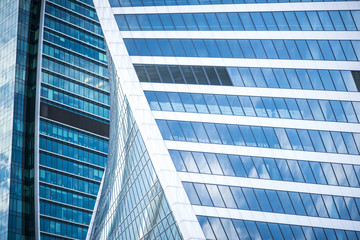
x: 265, y: 152
x: 275, y: 35
x: 268, y: 184
x: 239, y: 6
x: 247, y: 62
x: 74, y: 120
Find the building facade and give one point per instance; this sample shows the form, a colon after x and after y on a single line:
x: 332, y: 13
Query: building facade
x: 54, y: 121
x: 232, y: 119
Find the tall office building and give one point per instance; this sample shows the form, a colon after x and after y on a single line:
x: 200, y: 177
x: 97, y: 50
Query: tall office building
x: 232, y: 119
x: 54, y: 117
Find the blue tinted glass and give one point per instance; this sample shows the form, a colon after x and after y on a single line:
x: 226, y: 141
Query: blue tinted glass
x: 224, y: 21
x: 225, y: 165
x: 297, y: 203
x: 315, y: 50
x: 224, y: 49
x: 325, y: 20
x: 292, y: 49
x: 293, y: 108
x: 292, y: 21
x: 190, y: 191
x: 260, y: 137
x: 326, y: 50
x: 213, y: 22
x: 201, y: 162
x: 286, y: 203
x: 235, y: 21
x: 249, y: 167
x: 284, y: 170
x: 318, y: 172
x: 235, y: 49
x: 215, y: 195
x: 203, y: 194
x: 303, y: 21
x: 247, y: 22
x: 237, y: 166
x: 188, y: 131
x: 337, y: 50
x: 175, y: 156
x: 270, y: 21
x: 271, y: 137
x: 247, y: 77
x: 239, y: 198
x: 189, y: 48
x: 246, y: 48
x: 281, y: 49
x: 178, y: 22
x: 200, y: 132
x: 201, y: 21
x: 224, y: 134
x: 281, y: 21
x: 272, y: 169
x: 236, y: 135
x: 200, y: 48
x: 212, y: 48
x: 251, y: 199
x: 248, y: 136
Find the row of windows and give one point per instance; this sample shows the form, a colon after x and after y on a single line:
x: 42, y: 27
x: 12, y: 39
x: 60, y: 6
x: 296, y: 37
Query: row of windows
x: 306, y: 109
x: 66, y: 213
x: 74, y: 32
x: 330, y: 80
x: 78, y: 8
x: 75, y: 73
x: 342, y: 50
x: 137, y: 3
x: 71, y: 151
x: 73, y: 136
x: 75, y: 46
x: 75, y: 87
x: 69, y: 17
x: 183, y: 74
x: 74, y: 59
x: 67, y: 197
x: 233, y: 229
x: 267, y: 168
x: 68, y: 182
x: 253, y: 21
x: 315, y: 205
x: 71, y: 167
x: 62, y: 228
x: 267, y: 137
x: 78, y: 103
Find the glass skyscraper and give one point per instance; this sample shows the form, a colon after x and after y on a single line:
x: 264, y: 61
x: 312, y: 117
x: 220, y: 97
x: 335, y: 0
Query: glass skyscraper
x: 54, y: 117
x: 232, y: 119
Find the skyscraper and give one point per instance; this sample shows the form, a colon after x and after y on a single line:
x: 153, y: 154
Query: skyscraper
x: 232, y: 119
x: 54, y: 121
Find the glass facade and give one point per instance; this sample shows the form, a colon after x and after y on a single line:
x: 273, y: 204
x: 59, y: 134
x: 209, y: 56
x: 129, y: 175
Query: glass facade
x: 132, y: 204
x: 248, y: 111
x: 18, y: 65
x: 54, y: 117
x: 72, y: 157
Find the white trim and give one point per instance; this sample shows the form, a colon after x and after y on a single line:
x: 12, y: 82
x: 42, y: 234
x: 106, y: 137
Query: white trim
x: 258, y: 7
x: 269, y: 184
x: 277, y: 218
x: 160, y: 158
x: 264, y: 152
x: 318, y: 35
x: 252, y: 91
x: 258, y: 121
x: 247, y: 62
